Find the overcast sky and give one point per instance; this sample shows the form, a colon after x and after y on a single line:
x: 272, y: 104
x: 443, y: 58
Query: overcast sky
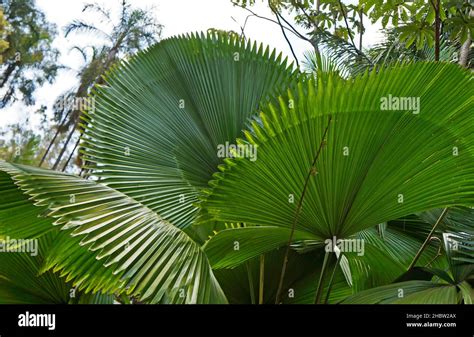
x: 177, y: 17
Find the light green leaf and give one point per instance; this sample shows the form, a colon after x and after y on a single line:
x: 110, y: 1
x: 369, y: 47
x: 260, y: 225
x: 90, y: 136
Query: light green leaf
x: 156, y: 261
x: 374, y: 165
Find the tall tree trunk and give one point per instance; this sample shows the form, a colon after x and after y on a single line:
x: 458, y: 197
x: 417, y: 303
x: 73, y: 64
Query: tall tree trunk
x: 63, y: 150
x: 437, y: 29
x: 464, y: 52
x: 75, y: 114
x: 314, y: 41
x: 361, y: 14
x: 71, y: 154
x: 465, y: 48
x: 7, y: 73
x: 63, y: 122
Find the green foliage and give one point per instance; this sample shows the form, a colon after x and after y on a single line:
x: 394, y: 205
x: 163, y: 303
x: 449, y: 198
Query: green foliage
x: 375, y: 139
x: 392, y: 50
x: 414, y: 19
x: 3, y: 34
x: 410, y: 292
x: 157, y: 224
x: 151, y: 258
x: 29, y: 52
x: 171, y: 137
x: 133, y: 30
x: 251, y: 242
x: 22, y: 283
x: 22, y: 146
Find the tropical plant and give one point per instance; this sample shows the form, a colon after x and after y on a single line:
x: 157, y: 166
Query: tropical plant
x: 3, y: 33
x: 23, y: 282
x: 133, y: 30
x: 158, y: 224
x: 28, y: 59
x: 426, y: 22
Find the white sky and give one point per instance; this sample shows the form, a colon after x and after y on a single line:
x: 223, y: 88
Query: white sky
x: 177, y: 16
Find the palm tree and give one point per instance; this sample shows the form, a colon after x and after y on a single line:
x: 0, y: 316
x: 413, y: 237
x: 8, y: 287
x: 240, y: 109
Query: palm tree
x: 157, y: 222
x: 134, y: 30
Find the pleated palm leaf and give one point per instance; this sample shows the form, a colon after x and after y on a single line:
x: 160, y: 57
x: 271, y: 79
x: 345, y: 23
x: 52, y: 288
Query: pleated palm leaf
x: 333, y: 162
x: 445, y: 272
x: 152, y: 142
x: 157, y: 125
x: 452, y: 285
x: 118, y: 245
x: 21, y: 280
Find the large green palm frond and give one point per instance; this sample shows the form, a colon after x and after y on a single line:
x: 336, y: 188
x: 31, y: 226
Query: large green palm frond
x: 160, y: 117
x: 381, y: 261
x: 20, y: 219
x: 433, y: 286
x: 402, y: 247
x: 413, y: 292
x: 150, y: 258
x: 449, y: 266
x: 453, y: 238
x: 454, y: 234
x: 22, y: 283
x: 251, y: 242
x: 371, y: 165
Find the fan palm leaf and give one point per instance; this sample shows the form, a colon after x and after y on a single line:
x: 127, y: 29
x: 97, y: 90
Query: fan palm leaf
x: 160, y: 117
x: 150, y: 258
x: 393, y: 163
x: 22, y: 283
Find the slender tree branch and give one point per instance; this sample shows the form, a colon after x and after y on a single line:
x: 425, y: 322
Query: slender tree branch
x: 63, y: 122
x: 301, y: 36
x: 423, y: 246
x: 319, y: 289
x: 7, y: 73
x: 311, y: 21
x: 293, y: 31
x: 286, y: 37
x: 71, y: 154
x: 436, y: 7
x: 242, y: 28
x: 298, y: 211
x: 332, y: 278
x: 438, y: 254
x: 63, y: 150
x: 347, y: 24
x: 361, y: 31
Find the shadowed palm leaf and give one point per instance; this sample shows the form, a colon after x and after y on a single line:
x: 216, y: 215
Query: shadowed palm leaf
x: 22, y: 283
